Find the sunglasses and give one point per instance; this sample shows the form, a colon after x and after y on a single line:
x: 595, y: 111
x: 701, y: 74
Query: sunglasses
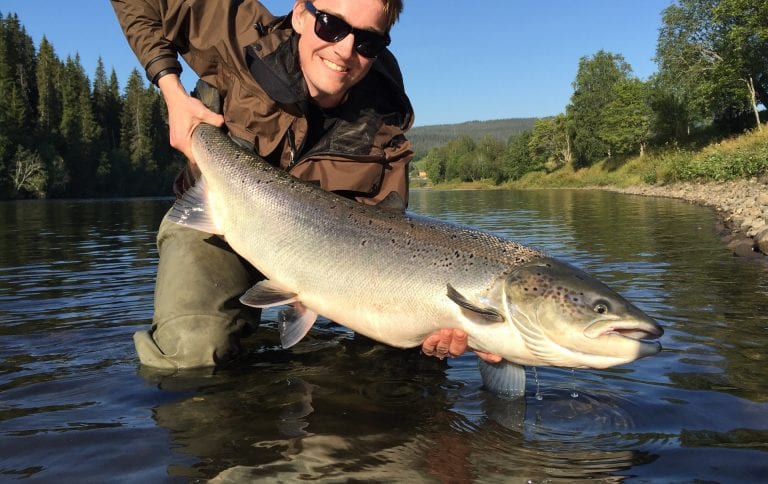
x: 331, y: 28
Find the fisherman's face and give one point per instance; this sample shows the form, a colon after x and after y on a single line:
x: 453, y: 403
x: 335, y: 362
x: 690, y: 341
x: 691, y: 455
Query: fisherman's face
x: 329, y: 68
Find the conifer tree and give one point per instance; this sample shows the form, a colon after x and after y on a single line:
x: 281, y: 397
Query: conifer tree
x: 48, y: 102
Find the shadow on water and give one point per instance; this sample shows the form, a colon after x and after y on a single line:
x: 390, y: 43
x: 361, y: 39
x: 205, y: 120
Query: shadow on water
x: 76, y: 281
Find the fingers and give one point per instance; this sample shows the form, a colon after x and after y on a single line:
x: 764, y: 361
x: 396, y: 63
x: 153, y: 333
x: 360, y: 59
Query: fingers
x: 453, y: 343
x: 488, y: 357
x: 458, y: 343
x: 446, y: 342
x: 212, y: 118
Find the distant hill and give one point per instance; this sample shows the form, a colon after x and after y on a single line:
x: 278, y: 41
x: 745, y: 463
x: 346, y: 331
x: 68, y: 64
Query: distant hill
x: 424, y: 138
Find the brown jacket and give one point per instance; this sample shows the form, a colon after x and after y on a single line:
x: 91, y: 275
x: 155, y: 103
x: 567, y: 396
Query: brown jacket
x: 249, y: 56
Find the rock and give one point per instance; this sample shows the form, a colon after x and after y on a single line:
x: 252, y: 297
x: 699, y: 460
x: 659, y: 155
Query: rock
x: 761, y: 240
x: 748, y: 226
x: 743, y: 248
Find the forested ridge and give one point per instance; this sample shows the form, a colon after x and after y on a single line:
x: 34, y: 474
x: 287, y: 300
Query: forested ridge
x: 426, y: 138
x: 65, y: 135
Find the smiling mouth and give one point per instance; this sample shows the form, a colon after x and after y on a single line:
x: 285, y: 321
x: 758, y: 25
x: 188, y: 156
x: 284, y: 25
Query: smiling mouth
x: 334, y: 67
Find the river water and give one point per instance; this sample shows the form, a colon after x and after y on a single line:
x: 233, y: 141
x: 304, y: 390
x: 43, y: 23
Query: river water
x: 76, y: 280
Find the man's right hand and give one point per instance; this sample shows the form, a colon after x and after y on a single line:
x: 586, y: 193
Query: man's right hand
x: 184, y: 114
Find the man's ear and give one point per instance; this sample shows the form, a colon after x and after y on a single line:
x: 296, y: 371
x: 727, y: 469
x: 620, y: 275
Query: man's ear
x: 297, y: 19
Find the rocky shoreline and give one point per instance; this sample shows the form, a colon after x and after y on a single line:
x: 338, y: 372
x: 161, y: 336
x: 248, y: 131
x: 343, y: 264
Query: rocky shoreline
x: 741, y: 204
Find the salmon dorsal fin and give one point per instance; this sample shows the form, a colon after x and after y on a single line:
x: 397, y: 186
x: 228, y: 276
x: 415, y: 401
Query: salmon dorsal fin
x: 488, y: 313
x: 392, y: 203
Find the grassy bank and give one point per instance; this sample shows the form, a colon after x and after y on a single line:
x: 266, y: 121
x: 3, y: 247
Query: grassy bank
x: 743, y: 156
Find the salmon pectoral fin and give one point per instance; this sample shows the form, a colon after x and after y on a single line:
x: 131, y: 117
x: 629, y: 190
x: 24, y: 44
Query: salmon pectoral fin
x: 504, y: 379
x: 486, y: 312
x: 265, y: 294
x: 294, y: 323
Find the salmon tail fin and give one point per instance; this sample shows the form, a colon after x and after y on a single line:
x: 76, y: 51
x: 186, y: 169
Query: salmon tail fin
x: 193, y: 209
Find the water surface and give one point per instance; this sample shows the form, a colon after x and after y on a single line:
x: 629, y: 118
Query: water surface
x: 76, y: 281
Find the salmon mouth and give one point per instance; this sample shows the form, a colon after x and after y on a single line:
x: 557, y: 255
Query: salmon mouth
x: 641, y: 331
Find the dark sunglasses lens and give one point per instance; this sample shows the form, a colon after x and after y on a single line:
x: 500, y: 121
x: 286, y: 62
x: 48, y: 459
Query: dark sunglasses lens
x: 330, y: 28
x: 369, y: 45
x: 333, y: 29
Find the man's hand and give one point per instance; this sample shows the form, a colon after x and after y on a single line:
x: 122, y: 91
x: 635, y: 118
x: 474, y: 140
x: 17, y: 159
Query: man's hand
x: 184, y: 114
x: 453, y: 343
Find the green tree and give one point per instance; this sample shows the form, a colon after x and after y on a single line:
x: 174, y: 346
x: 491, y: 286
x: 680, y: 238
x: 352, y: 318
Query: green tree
x: 134, y: 123
x: 49, y: 106
x: 518, y: 160
x: 48, y: 102
x: 18, y: 100
x: 78, y: 127
x: 144, y: 137
x: 434, y: 164
x: 459, y: 154
x: 713, y: 55
x: 5, y: 121
x: 671, y: 121
x: 112, y: 168
x: 106, y: 106
x: 19, y: 90
x: 593, y: 91
x: 488, y: 159
x: 550, y: 142
x: 744, y: 26
x: 59, y: 137
x: 627, y: 118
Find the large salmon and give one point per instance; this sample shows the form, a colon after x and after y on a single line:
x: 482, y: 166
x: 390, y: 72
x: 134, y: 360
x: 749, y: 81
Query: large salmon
x: 398, y: 277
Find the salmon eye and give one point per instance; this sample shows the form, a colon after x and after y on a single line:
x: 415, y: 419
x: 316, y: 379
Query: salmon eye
x: 601, y: 308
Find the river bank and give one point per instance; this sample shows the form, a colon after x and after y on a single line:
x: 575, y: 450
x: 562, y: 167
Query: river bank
x: 741, y: 204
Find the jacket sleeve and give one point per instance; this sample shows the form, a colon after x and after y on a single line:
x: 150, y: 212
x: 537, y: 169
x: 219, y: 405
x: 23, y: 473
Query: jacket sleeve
x: 206, y: 33
x: 143, y: 23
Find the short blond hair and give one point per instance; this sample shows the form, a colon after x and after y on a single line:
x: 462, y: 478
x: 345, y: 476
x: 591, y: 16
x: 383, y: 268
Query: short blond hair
x: 393, y: 9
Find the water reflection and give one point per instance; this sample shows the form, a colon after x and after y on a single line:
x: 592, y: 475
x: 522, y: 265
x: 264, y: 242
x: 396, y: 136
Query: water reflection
x: 356, y: 410
x: 76, y: 280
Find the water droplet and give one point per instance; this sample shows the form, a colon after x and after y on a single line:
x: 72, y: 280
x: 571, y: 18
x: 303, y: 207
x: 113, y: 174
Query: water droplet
x: 539, y: 396
x: 574, y: 393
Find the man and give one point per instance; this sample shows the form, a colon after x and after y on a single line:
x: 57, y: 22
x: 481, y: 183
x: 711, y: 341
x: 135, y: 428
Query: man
x: 315, y: 92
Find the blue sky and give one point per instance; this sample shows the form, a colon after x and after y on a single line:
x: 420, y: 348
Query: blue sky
x: 461, y: 60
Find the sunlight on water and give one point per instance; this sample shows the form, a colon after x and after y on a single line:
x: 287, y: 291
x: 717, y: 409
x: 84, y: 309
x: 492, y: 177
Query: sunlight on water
x: 76, y: 280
